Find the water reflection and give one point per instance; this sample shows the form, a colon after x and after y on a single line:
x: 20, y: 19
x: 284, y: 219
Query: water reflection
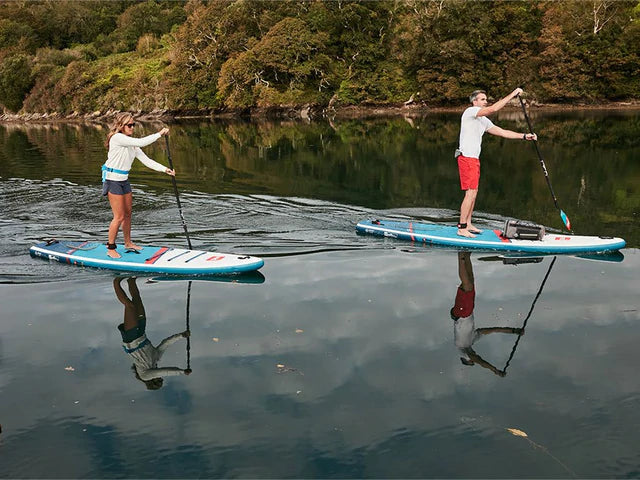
x: 144, y: 355
x: 381, y: 163
x: 464, y: 331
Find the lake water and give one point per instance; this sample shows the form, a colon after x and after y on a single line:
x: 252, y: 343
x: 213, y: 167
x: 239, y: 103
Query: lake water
x: 340, y: 359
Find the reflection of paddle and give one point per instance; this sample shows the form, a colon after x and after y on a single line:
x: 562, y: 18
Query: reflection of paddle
x: 175, y: 190
x: 188, y: 329
x: 563, y: 215
x: 513, y: 351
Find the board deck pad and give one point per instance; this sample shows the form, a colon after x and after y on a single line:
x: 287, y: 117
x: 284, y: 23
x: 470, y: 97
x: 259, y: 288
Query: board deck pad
x: 164, y: 260
x: 489, y: 239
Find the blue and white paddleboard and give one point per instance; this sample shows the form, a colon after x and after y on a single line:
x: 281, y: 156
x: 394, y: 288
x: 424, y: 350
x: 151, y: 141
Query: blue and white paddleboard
x: 437, y: 234
x: 164, y: 260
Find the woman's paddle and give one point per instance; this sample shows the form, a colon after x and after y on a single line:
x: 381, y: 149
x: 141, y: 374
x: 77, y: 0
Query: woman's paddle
x: 186, y: 232
x: 563, y: 215
x: 175, y: 190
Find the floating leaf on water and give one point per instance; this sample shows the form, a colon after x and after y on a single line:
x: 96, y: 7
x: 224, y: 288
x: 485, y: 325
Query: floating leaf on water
x: 70, y: 369
x: 299, y: 330
x: 280, y: 365
x: 215, y: 339
x: 516, y: 432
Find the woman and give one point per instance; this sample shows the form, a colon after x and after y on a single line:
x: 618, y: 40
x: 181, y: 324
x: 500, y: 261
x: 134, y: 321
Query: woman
x: 123, y: 149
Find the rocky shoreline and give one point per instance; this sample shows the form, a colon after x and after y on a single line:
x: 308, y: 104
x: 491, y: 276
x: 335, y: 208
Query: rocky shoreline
x: 304, y: 112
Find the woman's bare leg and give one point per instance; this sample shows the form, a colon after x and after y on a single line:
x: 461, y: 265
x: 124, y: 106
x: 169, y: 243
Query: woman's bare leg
x: 117, y: 203
x: 126, y: 224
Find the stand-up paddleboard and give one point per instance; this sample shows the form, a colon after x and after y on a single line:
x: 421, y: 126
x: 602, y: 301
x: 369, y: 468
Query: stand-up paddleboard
x: 437, y: 234
x: 164, y: 260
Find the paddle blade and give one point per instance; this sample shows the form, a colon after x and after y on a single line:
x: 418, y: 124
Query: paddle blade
x: 566, y: 220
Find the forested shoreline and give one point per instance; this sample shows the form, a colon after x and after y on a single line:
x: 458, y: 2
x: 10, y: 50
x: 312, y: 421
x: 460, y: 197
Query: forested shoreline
x: 70, y: 59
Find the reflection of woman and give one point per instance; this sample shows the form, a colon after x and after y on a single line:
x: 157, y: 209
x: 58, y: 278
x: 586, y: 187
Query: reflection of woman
x: 123, y: 149
x: 135, y: 342
x: 464, y: 332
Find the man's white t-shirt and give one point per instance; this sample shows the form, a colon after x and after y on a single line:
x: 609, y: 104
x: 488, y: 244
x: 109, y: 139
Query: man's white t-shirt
x: 464, y: 332
x: 471, y: 130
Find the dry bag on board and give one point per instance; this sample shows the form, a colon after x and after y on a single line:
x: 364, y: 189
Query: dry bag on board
x: 523, y: 230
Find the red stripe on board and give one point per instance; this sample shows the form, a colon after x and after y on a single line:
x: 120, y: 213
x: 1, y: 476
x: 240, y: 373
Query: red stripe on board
x: 499, y: 235
x: 157, y: 255
x: 215, y: 258
x: 69, y: 252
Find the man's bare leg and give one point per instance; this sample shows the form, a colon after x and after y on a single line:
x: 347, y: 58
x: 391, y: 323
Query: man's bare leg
x: 466, y: 210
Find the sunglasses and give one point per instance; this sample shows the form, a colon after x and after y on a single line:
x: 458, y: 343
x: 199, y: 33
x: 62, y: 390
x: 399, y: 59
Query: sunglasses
x: 130, y: 125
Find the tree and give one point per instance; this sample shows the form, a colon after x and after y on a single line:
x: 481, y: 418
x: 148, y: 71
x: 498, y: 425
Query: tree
x: 15, y: 81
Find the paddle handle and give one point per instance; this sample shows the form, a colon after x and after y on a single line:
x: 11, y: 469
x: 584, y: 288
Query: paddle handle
x: 175, y: 191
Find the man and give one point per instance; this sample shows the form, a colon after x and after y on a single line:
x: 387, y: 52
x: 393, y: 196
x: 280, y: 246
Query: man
x: 473, y: 125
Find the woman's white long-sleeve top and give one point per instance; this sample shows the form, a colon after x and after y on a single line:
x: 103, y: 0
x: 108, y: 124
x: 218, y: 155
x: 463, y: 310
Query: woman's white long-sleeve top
x: 124, y: 149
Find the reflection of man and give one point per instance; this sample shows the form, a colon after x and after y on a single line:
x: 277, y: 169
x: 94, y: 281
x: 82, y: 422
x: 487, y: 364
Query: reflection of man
x: 135, y: 342
x: 464, y: 332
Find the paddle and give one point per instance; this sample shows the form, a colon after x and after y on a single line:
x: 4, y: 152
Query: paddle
x: 175, y: 190
x: 563, y: 215
x: 186, y: 232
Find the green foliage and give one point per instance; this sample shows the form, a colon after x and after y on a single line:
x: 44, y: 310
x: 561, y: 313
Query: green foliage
x: 15, y: 34
x: 142, y: 19
x: 236, y: 54
x: 15, y: 81
x: 287, y: 58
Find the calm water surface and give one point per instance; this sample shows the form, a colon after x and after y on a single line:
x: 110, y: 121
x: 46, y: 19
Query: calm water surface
x: 340, y: 358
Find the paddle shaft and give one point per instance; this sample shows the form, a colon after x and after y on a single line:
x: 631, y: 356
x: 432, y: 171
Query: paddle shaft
x: 175, y: 190
x: 564, y: 217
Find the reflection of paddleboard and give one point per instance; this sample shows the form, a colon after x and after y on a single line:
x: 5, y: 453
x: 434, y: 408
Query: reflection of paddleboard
x: 517, y: 259
x: 509, y: 260
x: 437, y: 234
x: 164, y: 260
x: 254, y: 277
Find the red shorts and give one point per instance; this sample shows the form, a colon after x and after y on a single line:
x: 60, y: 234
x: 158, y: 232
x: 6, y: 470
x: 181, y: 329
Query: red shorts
x: 469, y: 169
x: 465, y: 302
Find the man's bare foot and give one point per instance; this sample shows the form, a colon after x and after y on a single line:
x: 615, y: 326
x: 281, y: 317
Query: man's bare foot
x: 473, y: 229
x: 113, y: 254
x: 132, y: 246
x: 463, y: 232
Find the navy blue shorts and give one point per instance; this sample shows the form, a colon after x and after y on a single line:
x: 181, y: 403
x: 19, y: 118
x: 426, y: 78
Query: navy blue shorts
x: 129, y: 336
x: 117, y: 187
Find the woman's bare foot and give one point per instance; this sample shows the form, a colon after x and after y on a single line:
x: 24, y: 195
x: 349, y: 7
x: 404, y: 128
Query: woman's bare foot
x: 464, y: 232
x: 473, y: 229
x: 113, y: 254
x: 132, y: 246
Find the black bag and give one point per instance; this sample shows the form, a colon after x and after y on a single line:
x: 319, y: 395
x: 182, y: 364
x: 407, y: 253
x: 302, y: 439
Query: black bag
x: 523, y: 230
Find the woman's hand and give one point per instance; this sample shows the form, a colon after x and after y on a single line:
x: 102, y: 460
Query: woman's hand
x: 168, y: 171
x: 164, y: 131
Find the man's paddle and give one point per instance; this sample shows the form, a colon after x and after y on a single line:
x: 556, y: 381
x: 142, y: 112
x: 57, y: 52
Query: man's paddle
x: 175, y: 190
x: 563, y: 215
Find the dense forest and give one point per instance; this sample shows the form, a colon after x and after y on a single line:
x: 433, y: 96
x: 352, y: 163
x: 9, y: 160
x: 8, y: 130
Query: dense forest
x: 70, y: 57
